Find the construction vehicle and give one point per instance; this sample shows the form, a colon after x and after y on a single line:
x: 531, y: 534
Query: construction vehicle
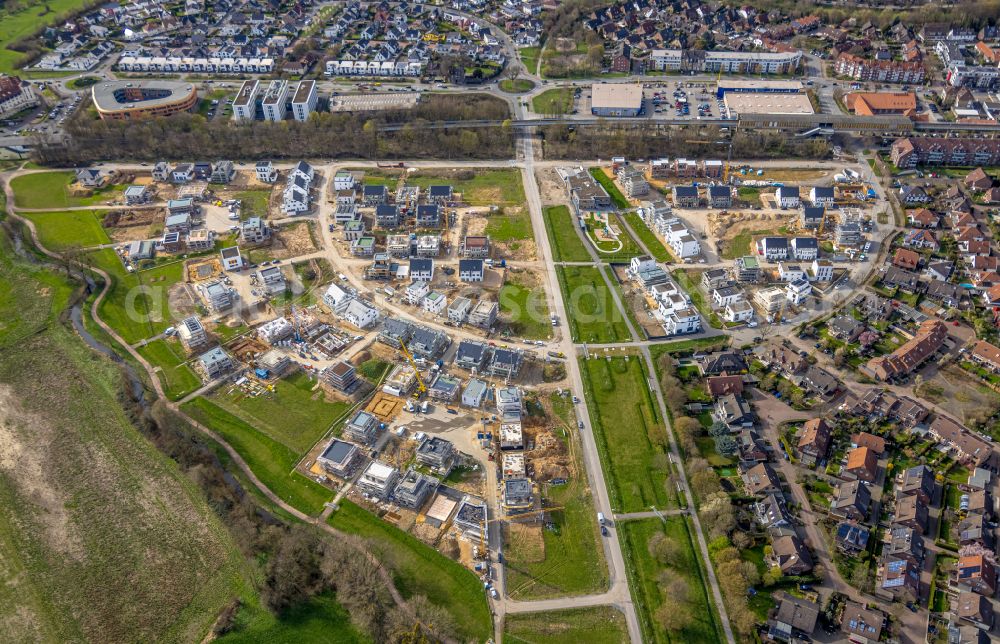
x: 421, y: 387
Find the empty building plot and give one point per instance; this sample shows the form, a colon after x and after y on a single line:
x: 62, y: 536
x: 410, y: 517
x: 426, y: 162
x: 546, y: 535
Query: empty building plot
x: 374, y: 102
x: 767, y: 103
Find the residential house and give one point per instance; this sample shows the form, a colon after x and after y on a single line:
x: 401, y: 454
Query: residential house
x: 974, y: 608
x: 773, y: 248
x: 917, y: 481
x: 821, y: 196
x: 976, y: 573
x: 851, y: 538
x: 908, y: 357
x: 911, y: 512
x: 906, y: 259
x: 686, y: 196
x: 795, y: 619
x: 378, y: 480
x: 862, y: 464
x: 791, y: 555
x: 861, y: 625
x: 814, y: 441
x: 852, y: 501
x: 215, y: 363
x: 787, y: 197
x: 471, y: 270
x: 760, y: 480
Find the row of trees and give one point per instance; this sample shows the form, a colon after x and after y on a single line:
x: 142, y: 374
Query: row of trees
x: 324, y: 135
x: 645, y: 141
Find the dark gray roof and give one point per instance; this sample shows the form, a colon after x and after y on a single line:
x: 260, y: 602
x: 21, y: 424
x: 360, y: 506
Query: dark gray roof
x: 421, y: 264
x: 470, y: 265
x: 373, y: 191
x: 805, y: 242
x: 686, y: 191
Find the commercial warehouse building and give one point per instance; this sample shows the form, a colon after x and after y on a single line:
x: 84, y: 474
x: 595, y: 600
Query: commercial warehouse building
x: 616, y: 99
x: 770, y: 103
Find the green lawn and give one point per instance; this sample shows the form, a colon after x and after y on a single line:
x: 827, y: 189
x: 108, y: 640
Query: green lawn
x: 487, y: 187
x: 418, y: 569
x: 516, y: 85
x: 321, y: 619
x: 29, y: 18
x: 136, y: 313
x: 597, y: 625
x: 593, y: 315
x: 525, y: 310
x: 253, y: 202
x: 293, y: 414
x: 687, y: 346
x: 51, y: 190
x: 648, y: 237
x: 558, y: 100
x: 644, y: 572
x: 629, y: 432
x: 622, y: 250
x: 513, y: 225
x: 561, y: 228
x: 177, y: 377
x: 689, y: 280
x: 617, y: 198
x: 69, y: 229
x: 271, y: 461
x: 529, y: 56
x: 573, y: 561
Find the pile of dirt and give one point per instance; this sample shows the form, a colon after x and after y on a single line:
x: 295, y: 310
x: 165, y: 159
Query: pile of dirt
x: 724, y: 225
x: 293, y: 240
x: 550, y: 458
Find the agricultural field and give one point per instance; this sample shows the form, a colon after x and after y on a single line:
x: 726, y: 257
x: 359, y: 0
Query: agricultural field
x: 524, y: 310
x: 597, y: 625
x: 566, y: 243
x: 177, y: 378
x: 569, y: 560
x: 296, y: 413
x: 593, y: 314
x: 86, y: 498
x: 136, y: 315
x: 629, y: 431
x: 418, y: 569
x: 60, y: 230
x: 270, y: 460
x: 50, y: 190
x: 648, y: 237
x: 558, y: 100
x: 649, y: 593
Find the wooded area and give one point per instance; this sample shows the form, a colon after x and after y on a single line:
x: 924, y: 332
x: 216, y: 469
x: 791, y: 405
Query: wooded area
x: 641, y: 141
x: 325, y: 135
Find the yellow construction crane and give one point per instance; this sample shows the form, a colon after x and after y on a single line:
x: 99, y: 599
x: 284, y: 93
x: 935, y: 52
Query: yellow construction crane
x: 421, y: 387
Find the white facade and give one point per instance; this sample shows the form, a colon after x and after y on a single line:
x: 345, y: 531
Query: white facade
x: 798, y: 291
x: 337, y: 299
x: 416, y: 292
x: 275, y: 101
x: 682, y: 321
x: 304, y: 100
x: 805, y: 249
x: 790, y: 272
x: 13, y: 101
x: 681, y: 241
x: 787, y: 197
x: 726, y: 295
x: 360, y: 314
x: 771, y: 300
x: 211, y: 65
x: 822, y: 270
x: 245, y: 103
x: 738, y: 312
x: 343, y: 180
x: 266, y: 172
x: 435, y: 303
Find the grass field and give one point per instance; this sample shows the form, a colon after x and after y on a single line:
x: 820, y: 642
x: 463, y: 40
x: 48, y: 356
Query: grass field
x: 253, y: 202
x: 136, y: 313
x: 593, y: 315
x: 647, y: 237
x: 572, y: 562
x: 644, y: 571
x: 617, y: 198
x: 566, y: 243
x: 525, y: 310
x: 513, y: 225
x: 622, y: 250
x: 177, y: 377
x: 418, y: 569
x: 597, y: 625
x: 269, y: 459
x: 516, y: 85
x: 629, y: 432
x: 558, y: 100
x: 693, y: 344
x: 689, y: 281
x: 529, y: 56
x: 293, y: 414
x: 43, y: 190
x: 87, y: 504
x: 497, y: 186
x: 321, y: 619
x: 26, y: 21
x: 69, y: 229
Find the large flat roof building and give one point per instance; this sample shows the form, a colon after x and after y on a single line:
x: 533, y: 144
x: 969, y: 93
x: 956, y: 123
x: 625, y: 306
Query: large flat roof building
x: 767, y: 103
x: 133, y: 99
x: 616, y: 99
